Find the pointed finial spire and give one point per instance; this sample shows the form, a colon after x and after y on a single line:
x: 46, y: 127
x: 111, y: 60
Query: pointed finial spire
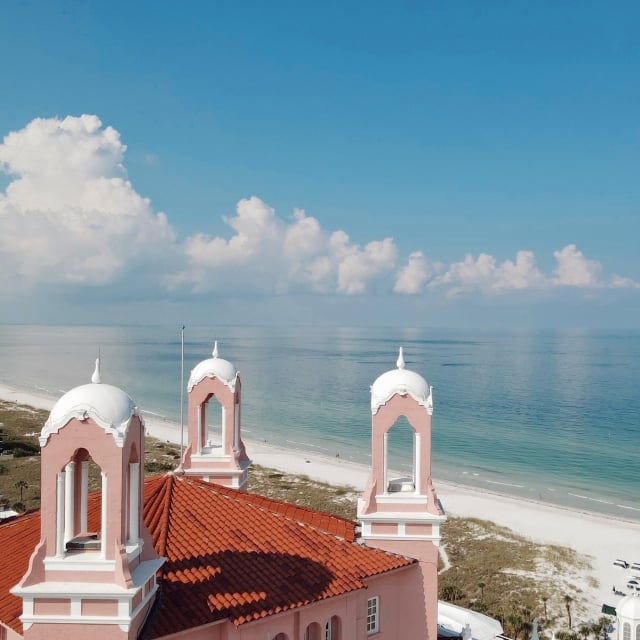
x: 95, y: 378
x: 215, y: 349
x: 400, y: 361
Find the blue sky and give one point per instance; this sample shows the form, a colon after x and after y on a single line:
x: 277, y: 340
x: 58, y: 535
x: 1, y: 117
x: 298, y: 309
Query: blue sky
x: 438, y: 164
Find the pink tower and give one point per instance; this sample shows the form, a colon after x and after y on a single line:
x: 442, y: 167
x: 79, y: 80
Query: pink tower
x: 93, y: 572
x: 403, y: 514
x: 215, y: 451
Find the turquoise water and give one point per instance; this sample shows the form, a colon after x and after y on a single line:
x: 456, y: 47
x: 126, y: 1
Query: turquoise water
x: 547, y: 415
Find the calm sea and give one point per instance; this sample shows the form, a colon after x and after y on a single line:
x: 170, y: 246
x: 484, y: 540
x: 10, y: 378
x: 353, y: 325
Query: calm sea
x: 547, y: 415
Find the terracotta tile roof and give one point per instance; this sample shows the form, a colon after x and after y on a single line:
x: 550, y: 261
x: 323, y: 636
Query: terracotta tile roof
x: 18, y: 538
x: 229, y: 555
x: 241, y: 556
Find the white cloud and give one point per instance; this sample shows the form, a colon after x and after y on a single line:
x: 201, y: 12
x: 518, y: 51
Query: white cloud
x: 485, y: 274
x: 575, y: 270
x: 69, y: 214
x: 620, y: 282
x: 359, y: 266
x: 270, y: 254
x: 415, y: 274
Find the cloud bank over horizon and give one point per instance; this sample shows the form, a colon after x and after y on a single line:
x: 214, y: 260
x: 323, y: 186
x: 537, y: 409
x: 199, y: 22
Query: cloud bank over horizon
x: 70, y: 217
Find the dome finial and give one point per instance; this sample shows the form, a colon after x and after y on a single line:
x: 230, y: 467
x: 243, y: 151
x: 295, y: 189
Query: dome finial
x: 215, y: 349
x: 95, y: 378
x: 400, y: 361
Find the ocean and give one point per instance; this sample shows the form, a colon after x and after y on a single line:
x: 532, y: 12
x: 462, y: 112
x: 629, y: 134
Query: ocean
x: 549, y: 415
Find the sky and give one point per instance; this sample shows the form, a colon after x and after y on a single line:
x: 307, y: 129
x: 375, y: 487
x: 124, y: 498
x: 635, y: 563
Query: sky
x: 429, y: 164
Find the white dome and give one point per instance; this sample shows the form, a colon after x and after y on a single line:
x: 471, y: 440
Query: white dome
x: 629, y: 608
x: 214, y: 367
x: 402, y: 382
x: 108, y: 406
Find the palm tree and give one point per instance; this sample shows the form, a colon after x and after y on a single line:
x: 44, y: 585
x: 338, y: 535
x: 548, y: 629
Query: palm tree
x: 482, y: 585
x: 585, y: 631
x: 603, y: 623
x: 567, y: 603
x: 516, y: 622
x: 22, y: 485
x: 544, y: 602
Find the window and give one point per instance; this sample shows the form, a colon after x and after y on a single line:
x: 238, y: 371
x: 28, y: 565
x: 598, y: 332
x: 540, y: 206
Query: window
x: 373, y: 622
x: 327, y: 630
x: 626, y: 631
x: 638, y: 632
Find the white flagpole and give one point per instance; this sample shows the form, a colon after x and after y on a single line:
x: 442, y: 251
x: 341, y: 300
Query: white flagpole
x: 181, y: 395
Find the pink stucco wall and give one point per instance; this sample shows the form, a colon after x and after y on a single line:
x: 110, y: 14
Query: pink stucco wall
x: 401, y: 602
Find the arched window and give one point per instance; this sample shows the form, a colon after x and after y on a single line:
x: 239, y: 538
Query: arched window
x: 212, y: 425
x: 75, y: 480
x: 638, y: 632
x: 280, y: 636
x: 626, y: 631
x: 400, y: 456
x: 332, y: 629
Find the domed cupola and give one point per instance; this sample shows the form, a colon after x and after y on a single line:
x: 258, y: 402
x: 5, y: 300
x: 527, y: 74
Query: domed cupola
x: 400, y: 512
x: 403, y: 382
x: 108, y: 406
x: 628, y: 617
x: 215, y: 451
x: 214, y: 367
x: 95, y: 559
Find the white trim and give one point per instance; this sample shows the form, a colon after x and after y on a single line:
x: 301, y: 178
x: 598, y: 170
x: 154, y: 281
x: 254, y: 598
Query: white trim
x: 60, y: 482
x: 223, y: 426
x: 69, y: 495
x: 134, y: 500
x: 402, y: 497
x: 91, y: 560
x: 207, y: 456
x: 82, y: 561
x: 84, y: 494
x: 76, y: 606
x: 385, y: 484
x: 417, y: 461
x: 103, y: 524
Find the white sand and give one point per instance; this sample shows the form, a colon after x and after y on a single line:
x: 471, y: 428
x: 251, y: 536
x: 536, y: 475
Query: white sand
x: 601, y: 538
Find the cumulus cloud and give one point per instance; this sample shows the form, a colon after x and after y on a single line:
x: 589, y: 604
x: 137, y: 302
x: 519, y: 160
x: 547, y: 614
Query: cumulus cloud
x: 485, y: 274
x: 412, y: 278
x: 271, y: 254
x: 69, y: 214
x: 575, y: 270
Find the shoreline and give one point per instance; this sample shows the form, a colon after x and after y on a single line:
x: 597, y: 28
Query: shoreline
x: 587, y: 532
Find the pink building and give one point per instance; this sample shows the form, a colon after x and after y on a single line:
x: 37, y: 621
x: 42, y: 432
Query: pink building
x: 191, y: 555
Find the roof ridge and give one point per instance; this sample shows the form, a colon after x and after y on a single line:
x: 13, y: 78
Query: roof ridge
x: 157, y: 507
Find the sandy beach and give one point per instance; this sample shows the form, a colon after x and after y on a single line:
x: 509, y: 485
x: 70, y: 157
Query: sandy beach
x: 601, y: 538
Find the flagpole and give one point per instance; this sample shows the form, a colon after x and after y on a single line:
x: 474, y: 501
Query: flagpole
x: 181, y: 394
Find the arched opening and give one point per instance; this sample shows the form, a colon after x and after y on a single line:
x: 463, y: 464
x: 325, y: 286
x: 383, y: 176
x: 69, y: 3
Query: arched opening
x: 332, y: 629
x: 401, y: 457
x: 313, y: 632
x: 133, y: 497
x: 75, y: 533
x: 211, y: 426
x: 280, y: 636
